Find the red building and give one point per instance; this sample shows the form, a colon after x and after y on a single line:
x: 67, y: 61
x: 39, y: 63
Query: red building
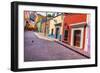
x: 74, y: 29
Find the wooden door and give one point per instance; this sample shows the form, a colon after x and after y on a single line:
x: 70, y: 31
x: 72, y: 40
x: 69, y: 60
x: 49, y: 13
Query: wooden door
x: 77, y: 38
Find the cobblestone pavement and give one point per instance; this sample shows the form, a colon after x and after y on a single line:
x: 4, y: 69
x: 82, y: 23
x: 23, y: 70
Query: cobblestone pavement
x: 38, y: 49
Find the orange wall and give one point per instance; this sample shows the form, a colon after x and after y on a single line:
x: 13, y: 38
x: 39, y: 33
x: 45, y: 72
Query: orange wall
x: 74, y: 18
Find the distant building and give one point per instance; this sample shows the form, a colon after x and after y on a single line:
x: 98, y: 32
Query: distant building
x: 39, y: 22
x: 29, y: 20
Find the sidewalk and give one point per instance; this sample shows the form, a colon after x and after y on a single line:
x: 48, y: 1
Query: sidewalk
x: 42, y: 36
x: 86, y: 54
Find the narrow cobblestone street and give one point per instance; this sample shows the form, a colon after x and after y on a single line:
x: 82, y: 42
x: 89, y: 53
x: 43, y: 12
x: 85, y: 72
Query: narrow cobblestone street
x: 38, y: 49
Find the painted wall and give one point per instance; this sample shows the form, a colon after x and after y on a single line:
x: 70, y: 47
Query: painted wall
x: 56, y: 20
x: 43, y: 28
x: 52, y: 26
x: 38, y: 22
x: 87, y: 41
x: 39, y: 26
x: 74, y: 19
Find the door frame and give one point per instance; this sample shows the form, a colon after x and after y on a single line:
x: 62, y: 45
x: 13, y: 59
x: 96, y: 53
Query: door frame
x: 72, y: 37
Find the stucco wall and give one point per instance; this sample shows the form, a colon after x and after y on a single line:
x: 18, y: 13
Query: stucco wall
x: 74, y: 18
x: 52, y: 26
x: 56, y: 20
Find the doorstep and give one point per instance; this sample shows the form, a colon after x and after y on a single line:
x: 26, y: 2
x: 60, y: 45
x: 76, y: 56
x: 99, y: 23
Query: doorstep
x: 77, y: 50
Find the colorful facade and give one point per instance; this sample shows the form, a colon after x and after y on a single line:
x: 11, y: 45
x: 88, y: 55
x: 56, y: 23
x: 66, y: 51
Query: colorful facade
x: 72, y: 29
x: 69, y: 28
x: 55, y: 28
x: 29, y: 20
x: 39, y: 22
x: 75, y: 30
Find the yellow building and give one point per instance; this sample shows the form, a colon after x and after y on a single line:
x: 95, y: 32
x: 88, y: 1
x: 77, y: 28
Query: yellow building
x: 55, y: 28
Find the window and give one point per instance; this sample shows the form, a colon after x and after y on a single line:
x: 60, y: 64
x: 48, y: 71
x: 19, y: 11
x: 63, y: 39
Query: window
x: 66, y: 35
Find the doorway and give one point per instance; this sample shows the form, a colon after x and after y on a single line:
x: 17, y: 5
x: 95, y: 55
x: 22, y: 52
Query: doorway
x: 52, y: 31
x: 57, y: 32
x: 77, y: 38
